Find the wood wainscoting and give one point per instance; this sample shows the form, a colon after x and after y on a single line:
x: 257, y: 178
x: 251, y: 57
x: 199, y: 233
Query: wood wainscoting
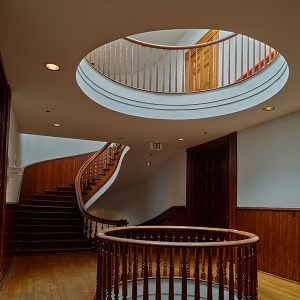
x: 279, y: 231
x: 47, y: 175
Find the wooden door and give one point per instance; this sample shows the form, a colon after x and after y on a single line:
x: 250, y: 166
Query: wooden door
x: 201, y: 64
x: 211, y: 184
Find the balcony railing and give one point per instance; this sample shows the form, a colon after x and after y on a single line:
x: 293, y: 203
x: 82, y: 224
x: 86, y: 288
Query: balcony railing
x: 182, y: 69
x: 176, y: 262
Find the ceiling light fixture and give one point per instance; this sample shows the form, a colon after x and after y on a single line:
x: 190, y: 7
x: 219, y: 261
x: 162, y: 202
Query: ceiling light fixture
x: 52, y: 67
x: 56, y: 125
x: 181, y: 139
x: 269, y: 108
x: 148, y: 163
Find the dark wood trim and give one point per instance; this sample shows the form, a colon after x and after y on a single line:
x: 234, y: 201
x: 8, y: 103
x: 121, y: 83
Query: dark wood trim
x: 173, y: 216
x: 231, y: 140
x: 268, y: 208
x: 5, y: 99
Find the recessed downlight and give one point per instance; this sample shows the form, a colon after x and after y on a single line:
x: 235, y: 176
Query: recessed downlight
x: 269, y: 108
x: 56, y: 125
x: 52, y: 67
x: 148, y: 163
x: 181, y: 139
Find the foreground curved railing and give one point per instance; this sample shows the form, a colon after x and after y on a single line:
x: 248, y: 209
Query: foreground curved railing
x: 182, y: 69
x: 176, y: 262
x: 93, y: 174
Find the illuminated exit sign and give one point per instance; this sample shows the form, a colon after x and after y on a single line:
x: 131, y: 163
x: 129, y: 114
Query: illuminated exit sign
x: 155, y: 146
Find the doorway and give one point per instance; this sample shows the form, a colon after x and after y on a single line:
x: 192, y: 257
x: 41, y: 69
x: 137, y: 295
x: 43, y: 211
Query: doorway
x: 201, y: 64
x: 212, y: 183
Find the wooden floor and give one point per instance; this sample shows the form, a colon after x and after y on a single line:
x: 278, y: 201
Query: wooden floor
x: 72, y: 277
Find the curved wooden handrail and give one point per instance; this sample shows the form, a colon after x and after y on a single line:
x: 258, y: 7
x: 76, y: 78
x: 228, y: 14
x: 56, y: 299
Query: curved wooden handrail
x: 248, y: 238
x: 186, y: 47
x: 79, y: 195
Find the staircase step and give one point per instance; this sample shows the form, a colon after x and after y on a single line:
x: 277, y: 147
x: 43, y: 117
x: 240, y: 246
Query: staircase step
x: 61, y: 193
x: 49, y: 235
x: 49, y: 221
x: 50, y: 228
x: 50, y: 214
x: 54, y: 197
x: 50, y: 244
x: 45, y: 208
x: 65, y: 188
x: 39, y: 202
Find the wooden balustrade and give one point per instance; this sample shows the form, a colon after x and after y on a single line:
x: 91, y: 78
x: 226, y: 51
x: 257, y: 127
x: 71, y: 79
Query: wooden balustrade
x: 212, y: 64
x: 190, y: 262
x: 93, y: 174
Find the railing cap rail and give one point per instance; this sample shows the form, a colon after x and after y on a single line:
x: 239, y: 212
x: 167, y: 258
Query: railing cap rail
x: 250, y: 237
x: 184, y: 47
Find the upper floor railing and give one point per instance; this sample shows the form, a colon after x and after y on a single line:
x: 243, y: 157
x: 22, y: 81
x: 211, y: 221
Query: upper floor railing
x: 92, y: 176
x: 176, y: 262
x: 217, y: 63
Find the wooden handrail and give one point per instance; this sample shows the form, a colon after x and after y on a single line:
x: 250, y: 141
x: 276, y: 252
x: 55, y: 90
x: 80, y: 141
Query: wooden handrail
x: 248, y: 238
x: 183, y: 47
x: 79, y: 195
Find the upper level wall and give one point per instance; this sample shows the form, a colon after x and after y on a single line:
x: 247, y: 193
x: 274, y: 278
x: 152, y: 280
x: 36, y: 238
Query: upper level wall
x: 36, y: 148
x: 269, y: 164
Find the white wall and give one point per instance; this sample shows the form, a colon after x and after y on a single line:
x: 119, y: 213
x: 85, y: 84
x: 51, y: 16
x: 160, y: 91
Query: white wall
x: 14, y: 154
x: 146, y: 200
x: 269, y: 164
x: 35, y: 148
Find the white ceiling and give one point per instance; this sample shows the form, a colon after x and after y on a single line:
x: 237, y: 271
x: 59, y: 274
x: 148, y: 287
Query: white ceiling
x: 34, y: 32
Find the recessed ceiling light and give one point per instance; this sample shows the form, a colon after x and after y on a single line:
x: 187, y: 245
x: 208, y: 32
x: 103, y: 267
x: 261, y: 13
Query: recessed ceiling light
x: 269, y: 108
x: 47, y: 111
x: 52, y: 67
x: 56, y: 125
x: 148, y: 163
x: 181, y: 139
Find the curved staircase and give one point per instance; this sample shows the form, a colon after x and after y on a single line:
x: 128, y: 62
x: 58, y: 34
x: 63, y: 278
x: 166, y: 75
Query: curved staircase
x: 56, y: 221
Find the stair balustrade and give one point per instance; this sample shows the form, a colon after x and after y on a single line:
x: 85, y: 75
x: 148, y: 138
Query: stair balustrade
x: 182, y: 69
x: 176, y: 262
x: 92, y: 176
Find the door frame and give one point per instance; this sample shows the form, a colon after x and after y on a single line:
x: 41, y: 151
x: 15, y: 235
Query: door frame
x: 231, y: 141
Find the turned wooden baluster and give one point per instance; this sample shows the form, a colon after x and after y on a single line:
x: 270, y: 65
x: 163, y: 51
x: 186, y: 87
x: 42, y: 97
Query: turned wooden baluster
x: 158, y: 284
x: 239, y: 273
x: 135, y: 273
x: 99, y: 289
x: 129, y: 262
x: 188, y: 257
x: 108, y: 271
x: 165, y: 272
x: 90, y: 230
x: 146, y: 277
x: 209, y: 275
x: 171, y: 275
x: 184, y: 275
x: 116, y: 272
x: 203, y: 273
x: 221, y: 278
x: 104, y: 293
x: 246, y: 272
x: 150, y: 257
x: 197, y: 273
x: 231, y: 274
x: 124, y: 272
x: 225, y: 262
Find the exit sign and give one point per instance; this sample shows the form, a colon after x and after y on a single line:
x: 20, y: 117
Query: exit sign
x: 155, y: 146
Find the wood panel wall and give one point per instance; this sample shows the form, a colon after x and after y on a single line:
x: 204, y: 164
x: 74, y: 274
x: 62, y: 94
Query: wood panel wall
x: 49, y: 174
x: 174, y: 216
x: 279, y: 245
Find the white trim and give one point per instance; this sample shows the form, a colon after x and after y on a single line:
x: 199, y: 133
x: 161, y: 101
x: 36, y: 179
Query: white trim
x: 105, y: 187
